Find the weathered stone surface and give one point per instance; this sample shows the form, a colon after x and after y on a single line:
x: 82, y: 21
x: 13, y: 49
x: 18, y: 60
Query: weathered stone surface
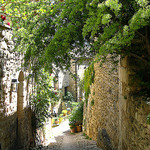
x: 3, y: 45
x: 121, y: 115
x: 104, y: 112
x: 103, y: 140
x: 10, y: 42
x: 10, y: 99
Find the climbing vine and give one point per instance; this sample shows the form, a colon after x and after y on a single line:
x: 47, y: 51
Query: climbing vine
x: 44, y: 95
x: 88, y: 80
x: 148, y: 119
x: 92, y: 102
x: 54, y: 33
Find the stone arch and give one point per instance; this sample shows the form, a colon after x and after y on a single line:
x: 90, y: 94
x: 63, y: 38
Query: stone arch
x: 20, y: 110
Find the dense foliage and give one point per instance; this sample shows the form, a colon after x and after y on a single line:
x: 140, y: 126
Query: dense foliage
x: 51, y: 34
x: 48, y: 33
x: 76, y: 116
x: 89, y: 75
x: 68, y: 97
x: 54, y: 30
x: 44, y: 96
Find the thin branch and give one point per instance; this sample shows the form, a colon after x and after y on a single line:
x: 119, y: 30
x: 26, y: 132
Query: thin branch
x: 135, y: 41
x: 140, y: 34
x: 140, y: 58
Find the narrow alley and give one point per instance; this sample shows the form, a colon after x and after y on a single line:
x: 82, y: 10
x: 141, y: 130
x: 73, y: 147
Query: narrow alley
x: 75, y: 75
x: 63, y: 140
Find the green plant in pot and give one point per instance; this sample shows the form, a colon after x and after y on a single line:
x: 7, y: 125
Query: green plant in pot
x: 77, y: 116
x: 78, y: 113
x: 72, y: 126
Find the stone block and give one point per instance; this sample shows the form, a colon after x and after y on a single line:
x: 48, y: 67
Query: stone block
x: 8, y: 36
x: 3, y: 32
x: 3, y: 45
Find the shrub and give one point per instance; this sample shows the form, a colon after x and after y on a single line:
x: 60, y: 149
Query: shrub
x: 41, y: 99
x: 72, y: 123
x: 77, y: 114
x: 68, y: 97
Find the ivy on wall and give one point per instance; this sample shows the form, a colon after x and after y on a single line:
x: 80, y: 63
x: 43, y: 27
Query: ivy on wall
x: 88, y: 80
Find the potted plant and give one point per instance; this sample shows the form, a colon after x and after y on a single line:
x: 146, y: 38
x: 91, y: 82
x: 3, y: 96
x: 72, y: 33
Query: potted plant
x: 72, y: 126
x: 76, y: 117
x: 79, y: 127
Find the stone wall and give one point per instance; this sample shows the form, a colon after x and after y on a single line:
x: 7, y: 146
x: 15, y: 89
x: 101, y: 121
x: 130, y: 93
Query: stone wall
x: 102, y: 109
x: 15, y: 112
x: 134, y: 132
x: 114, y: 118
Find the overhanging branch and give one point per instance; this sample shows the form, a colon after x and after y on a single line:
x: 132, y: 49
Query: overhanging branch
x: 140, y: 34
x: 140, y: 58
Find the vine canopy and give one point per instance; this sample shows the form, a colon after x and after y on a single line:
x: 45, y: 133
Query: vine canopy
x: 55, y: 32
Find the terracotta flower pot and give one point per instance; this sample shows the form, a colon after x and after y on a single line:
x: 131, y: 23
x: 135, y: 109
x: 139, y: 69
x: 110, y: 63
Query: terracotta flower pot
x: 73, y: 130
x: 79, y: 128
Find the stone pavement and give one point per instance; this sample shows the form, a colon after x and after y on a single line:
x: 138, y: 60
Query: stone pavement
x: 63, y: 140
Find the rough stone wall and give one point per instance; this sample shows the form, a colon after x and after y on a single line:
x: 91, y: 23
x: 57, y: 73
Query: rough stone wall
x: 15, y: 113
x: 104, y: 113
x: 117, y: 120
x: 134, y: 132
x: 65, y: 80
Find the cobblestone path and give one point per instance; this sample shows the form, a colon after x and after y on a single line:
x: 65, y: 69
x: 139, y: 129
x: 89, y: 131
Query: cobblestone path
x: 64, y: 140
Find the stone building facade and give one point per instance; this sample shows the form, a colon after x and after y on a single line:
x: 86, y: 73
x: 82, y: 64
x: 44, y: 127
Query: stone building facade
x: 68, y: 83
x: 15, y: 88
x: 112, y: 117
